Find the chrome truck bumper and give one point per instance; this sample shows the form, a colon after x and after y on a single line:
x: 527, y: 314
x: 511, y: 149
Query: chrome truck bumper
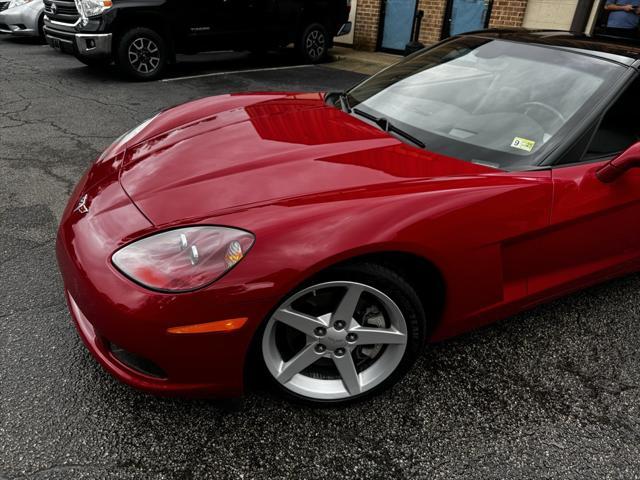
x: 82, y: 44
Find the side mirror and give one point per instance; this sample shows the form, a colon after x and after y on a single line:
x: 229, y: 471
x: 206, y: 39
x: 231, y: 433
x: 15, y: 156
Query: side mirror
x: 627, y: 160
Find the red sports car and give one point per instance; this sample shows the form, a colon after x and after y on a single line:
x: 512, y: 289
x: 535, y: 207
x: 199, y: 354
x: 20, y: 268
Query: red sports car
x: 325, y: 238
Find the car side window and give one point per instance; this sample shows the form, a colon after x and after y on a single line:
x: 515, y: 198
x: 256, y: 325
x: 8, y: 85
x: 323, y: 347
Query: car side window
x: 620, y: 126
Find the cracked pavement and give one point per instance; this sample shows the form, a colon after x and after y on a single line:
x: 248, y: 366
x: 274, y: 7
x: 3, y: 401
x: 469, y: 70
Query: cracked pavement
x: 551, y: 393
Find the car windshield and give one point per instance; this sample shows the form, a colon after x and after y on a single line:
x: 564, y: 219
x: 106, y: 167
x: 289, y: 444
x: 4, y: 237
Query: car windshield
x: 498, y: 103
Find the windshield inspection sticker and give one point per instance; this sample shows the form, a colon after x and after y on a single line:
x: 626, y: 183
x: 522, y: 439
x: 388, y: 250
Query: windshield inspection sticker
x: 523, y: 144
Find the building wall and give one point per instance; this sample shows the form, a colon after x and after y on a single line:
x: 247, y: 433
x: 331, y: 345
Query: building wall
x: 366, y: 27
x: 348, y: 39
x: 505, y: 13
x: 552, y: 14
x: 431, y: 28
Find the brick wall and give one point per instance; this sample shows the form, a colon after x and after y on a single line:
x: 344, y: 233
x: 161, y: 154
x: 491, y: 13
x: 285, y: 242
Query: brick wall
x: 365, y: 36
x: 431, y: 29
x: 505, y: 13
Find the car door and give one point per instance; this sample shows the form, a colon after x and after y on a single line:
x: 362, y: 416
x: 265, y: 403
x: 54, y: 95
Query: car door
x: 594, y: 227
x: 222, y: 23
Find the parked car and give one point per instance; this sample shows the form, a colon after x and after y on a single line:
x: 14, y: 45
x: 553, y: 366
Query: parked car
x: 143, y: 37
x: 24, y: 18
x: 323, y: 239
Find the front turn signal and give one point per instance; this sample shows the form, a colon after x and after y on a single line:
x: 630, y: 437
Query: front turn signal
x: 211, y: 327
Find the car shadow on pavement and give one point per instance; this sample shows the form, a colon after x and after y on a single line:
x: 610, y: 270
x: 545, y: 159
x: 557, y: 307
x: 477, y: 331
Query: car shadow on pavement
x: 214, y: 62
x: 22, y: 40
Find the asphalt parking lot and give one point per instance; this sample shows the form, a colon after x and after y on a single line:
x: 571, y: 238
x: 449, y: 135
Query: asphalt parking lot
x: 552, y: 393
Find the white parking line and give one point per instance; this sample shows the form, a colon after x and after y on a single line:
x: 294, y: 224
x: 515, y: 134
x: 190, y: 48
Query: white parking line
x: 235, y: 72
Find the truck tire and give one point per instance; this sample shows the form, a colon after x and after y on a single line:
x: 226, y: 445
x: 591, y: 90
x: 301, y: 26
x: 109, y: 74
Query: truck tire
x: 313, y: 43
x: 41, y: 36
x: 142, y: 54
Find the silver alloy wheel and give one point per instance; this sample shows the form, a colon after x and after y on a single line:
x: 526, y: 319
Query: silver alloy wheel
x: 336, y: 337
x: 315, y: 44
x: 144, y: 55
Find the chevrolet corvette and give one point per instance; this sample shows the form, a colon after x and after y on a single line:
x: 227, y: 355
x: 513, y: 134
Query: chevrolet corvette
x: 321, y: 240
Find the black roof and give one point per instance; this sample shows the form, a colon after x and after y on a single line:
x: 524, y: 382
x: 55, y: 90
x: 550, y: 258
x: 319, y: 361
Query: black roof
x: 622, y: 50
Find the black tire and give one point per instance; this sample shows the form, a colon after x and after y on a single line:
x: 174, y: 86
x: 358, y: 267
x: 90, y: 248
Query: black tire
x: 313, y: 44
x: 142, y: 54
x: 96, y: 63
x: 395, y: 287
x: 41, y: 36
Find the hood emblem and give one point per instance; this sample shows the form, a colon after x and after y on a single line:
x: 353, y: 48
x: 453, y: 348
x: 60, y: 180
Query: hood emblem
x: 82, y: 205
x: 54, y: 8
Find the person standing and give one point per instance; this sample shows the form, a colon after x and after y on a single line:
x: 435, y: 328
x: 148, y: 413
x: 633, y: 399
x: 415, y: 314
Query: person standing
x: 623, y: 17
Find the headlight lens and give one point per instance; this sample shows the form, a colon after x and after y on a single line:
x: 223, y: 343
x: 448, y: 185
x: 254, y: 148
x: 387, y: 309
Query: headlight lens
x: 184, y: 259
x: 91, y: 8
x: 17, y: 3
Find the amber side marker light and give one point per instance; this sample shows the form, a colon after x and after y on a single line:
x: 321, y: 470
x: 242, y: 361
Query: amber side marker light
x: 211, y: 327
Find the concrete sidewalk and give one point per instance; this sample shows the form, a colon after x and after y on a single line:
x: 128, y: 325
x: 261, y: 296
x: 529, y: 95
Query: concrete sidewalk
x: 367, y: 63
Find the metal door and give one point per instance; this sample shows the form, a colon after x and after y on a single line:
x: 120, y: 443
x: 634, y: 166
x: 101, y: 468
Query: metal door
x: 467, y: 15
x: 398, y: 17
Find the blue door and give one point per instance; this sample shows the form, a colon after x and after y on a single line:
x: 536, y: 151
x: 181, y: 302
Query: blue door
x: 468, y: 15
x: 398, y: 23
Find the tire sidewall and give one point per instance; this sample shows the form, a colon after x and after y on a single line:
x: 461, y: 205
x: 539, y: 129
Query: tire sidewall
x: 41, y: 35
x: 123, y: 61
x: 380, y: 278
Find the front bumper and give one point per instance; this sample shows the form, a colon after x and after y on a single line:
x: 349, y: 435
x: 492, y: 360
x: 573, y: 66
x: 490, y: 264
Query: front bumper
x: 109, y: 310
x: 22, y: 20
x: 93, y: 45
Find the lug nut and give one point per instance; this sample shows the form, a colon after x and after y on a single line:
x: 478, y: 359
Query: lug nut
x: 320, y: 331
x: 352, y: 337
x: 320, y: 348
x: 339, y: 325
x: 340, y: 352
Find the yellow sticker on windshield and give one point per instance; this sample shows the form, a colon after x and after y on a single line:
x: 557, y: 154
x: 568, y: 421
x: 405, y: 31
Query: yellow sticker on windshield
x: 523, y: 144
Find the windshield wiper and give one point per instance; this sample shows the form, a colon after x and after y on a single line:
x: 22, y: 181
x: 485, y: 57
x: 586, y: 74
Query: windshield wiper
x: 387, y: 126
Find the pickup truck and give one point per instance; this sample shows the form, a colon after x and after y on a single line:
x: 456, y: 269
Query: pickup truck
x: 144, y: 36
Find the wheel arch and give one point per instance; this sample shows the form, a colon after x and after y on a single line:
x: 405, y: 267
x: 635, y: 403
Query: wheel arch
x: 421, y: 273
x: 146, y: 19
x: 314, y: 13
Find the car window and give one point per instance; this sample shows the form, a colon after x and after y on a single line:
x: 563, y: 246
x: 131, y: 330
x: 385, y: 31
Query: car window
x: 488, y: 101
x: 620, y: 126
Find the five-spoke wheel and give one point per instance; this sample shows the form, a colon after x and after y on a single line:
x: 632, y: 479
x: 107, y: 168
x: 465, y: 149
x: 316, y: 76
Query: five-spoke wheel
x: 338, y: 340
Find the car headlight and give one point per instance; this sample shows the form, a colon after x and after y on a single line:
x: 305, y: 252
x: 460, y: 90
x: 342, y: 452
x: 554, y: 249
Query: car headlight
x: 91, y: 8
x: 17, y: 3
x: 183, y: 259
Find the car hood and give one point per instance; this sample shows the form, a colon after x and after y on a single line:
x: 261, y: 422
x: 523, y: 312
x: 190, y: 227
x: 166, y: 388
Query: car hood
x: 265, y: 149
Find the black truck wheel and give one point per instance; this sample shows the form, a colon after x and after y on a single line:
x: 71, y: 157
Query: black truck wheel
x: 313, y: 44
x: 142, y: 54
